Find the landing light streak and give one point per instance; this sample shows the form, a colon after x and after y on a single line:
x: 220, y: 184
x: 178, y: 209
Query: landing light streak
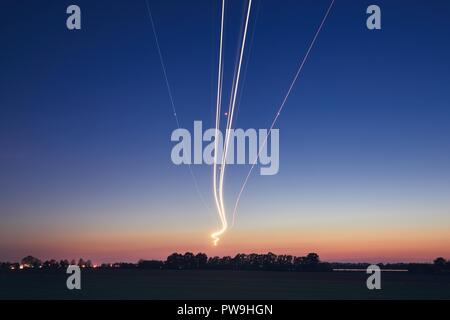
x: 218, y: 192
x: 222, y: 216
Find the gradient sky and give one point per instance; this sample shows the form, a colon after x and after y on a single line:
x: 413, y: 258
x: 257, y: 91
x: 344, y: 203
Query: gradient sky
x: 85, y: 124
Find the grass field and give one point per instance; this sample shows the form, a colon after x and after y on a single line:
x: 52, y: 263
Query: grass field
x: 209, y: 284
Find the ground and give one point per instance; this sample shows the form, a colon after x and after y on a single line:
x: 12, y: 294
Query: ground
x: 210, y: 284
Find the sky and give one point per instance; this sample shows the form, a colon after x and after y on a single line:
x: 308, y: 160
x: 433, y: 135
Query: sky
x: 86, y: 119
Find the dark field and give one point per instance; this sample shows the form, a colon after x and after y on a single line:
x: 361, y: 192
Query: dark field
x: 208, y: 284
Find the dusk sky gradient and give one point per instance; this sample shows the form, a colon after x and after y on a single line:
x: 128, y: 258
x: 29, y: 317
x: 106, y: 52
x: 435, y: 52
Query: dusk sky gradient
x: 85, y: 125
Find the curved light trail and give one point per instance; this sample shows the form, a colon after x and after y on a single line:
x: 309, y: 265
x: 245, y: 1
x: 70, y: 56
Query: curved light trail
x: 221, y: 207
x: 222, y: 216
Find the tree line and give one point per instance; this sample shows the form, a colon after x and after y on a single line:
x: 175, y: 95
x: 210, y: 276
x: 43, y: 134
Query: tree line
x: 253, y: 261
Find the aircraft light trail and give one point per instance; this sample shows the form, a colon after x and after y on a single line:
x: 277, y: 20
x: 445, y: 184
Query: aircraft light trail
x: 221, y: 205
x: 169, y: 91
x: 222, y: 217
x: 218, y: 184
x: 305, y: 58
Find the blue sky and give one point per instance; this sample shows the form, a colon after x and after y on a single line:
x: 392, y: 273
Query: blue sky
x: 85, y: 124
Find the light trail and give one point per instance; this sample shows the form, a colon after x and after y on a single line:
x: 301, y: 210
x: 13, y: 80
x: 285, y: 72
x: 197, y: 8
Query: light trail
x: 216, y: 235
x: 163, y: 66
x: 218, y: 186
x: 305, y: 58
x: 169, y: 91
x: 222, y: 217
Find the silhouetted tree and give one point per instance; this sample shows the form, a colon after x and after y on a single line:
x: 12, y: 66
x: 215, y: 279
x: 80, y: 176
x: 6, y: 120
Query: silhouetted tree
x: 64, y: 264
x: 201, y: 259
x: 175, y: 261
x: 81, y: 263
x: 284, y: 262
x: 312, y: 259
x: 214, y: 262
x: 50, y: 264
x: 30, y: 261
x: 439, y: 262
x: 188, y: 261
x: 239, y: 261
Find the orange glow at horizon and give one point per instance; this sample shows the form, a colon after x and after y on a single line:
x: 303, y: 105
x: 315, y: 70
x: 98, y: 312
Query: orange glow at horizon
x: 346, y: 244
